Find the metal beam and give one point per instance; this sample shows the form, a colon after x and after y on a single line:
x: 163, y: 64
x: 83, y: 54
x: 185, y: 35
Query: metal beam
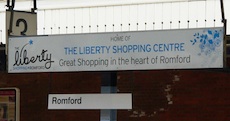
x: 225, y: 31
x: 108, y: 85
x: 35, y: 6
x: 222, y: 9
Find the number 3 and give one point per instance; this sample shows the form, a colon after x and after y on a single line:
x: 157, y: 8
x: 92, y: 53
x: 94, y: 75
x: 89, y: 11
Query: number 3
x: 25, y: 25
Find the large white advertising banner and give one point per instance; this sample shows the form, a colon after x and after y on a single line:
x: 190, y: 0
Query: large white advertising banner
x: 141, y: 50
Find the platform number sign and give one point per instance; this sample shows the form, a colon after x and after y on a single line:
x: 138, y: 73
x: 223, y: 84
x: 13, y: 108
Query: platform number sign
x: 23, y: 23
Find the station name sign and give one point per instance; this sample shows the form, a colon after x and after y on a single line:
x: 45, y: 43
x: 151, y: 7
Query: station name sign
x: 90, y: 101
x: 138, y: 50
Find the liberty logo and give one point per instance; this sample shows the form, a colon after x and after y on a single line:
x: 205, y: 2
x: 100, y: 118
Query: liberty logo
x: 21, y: 57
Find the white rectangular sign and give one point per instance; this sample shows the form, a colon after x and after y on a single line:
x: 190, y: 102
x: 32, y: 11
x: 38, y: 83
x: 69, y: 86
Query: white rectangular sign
x: 141, y: 50
x: 90, y: 101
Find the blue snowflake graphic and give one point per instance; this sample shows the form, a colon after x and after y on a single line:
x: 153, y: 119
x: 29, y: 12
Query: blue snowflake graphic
x: 208, y: 41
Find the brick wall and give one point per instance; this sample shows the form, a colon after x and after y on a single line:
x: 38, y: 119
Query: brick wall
x: 164, y: 95
x: 34, y: 89
x: 198, y: 95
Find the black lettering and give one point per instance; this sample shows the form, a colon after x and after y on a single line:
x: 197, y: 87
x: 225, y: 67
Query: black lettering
x: 54, y: 100
x: 25, y: 25
x: 21, y: 58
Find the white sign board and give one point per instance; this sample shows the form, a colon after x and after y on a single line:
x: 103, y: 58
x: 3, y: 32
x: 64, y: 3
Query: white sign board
x: 141, y: 50
x: 90, y: 101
